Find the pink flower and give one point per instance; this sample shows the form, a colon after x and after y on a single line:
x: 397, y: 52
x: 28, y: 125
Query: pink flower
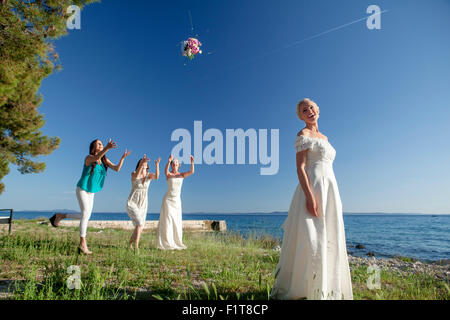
x: 191, y: 47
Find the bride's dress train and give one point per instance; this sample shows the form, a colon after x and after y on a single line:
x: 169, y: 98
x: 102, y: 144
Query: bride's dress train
x: 313, y: 260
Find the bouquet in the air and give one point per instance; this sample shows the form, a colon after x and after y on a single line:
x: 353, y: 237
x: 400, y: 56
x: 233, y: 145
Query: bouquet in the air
x: 191, y: 47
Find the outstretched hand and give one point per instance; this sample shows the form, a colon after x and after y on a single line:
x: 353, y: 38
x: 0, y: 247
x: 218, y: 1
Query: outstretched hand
x: 111, y: 144
x: 170, y: 158
x: 192, y: 158
x: 126, y: 154
x: 157, y: 160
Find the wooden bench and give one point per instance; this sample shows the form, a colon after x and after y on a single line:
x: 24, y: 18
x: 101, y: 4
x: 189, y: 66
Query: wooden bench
x: 7, y: 220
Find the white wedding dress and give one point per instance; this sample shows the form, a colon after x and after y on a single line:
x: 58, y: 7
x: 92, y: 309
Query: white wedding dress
x: 170, y: 227
x: 137, y: 203
x: 313, y: 260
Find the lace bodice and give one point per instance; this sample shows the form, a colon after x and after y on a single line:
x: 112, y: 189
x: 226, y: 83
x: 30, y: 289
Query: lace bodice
x: 319, y: 149
x: 174, y: 187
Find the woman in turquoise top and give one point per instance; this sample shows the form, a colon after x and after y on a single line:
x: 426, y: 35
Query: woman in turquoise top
x: 96, y: 165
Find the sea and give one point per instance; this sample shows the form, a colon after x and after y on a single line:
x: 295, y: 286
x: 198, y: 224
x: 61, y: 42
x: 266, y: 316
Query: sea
x: 424, y: 237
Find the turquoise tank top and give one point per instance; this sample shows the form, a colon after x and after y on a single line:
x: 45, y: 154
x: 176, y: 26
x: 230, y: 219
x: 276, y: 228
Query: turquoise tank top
x: 92, y: 183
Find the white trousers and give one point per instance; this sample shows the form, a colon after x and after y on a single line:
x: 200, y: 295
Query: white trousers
x: 86, y: 203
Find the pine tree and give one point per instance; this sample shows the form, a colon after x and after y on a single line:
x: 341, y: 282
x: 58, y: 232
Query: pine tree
x: 27, y: 55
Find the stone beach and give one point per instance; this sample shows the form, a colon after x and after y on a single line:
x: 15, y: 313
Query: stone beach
x: 404, y: 266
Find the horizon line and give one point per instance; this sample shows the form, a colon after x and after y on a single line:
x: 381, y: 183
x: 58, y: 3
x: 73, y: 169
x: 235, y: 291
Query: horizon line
x: 236, y: 212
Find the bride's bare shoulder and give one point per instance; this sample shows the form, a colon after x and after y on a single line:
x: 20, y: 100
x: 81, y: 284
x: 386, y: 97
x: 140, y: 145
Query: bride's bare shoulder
x: 322, y: 136
x: 304, y: 132
x: 307, y: 133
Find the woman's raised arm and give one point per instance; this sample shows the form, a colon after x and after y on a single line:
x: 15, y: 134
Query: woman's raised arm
x: 188, y: 173
x: 90, y: 159
x: 118, y: 166
x: 138, y: 170
x: 156, y: 174
x: 166, y: 169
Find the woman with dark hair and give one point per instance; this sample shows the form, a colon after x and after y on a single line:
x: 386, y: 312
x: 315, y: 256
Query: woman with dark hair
x: 137, y: 203
x: 96, y: 165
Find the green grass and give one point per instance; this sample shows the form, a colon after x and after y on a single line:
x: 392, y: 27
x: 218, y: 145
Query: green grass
x: 406, y: 259
x: 215, y: 266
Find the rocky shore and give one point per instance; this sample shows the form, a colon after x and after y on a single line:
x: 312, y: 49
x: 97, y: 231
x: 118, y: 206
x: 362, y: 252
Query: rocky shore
x: 150, y: 225
x: 405, y: 266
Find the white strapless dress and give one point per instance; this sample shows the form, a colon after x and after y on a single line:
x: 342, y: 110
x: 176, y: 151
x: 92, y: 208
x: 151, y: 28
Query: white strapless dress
x: 313, y: 260
x: 137, y: 203
x: 170, y: 227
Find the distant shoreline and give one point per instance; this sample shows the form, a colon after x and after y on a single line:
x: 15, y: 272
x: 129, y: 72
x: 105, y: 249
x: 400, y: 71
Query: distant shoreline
x: 281, y: 213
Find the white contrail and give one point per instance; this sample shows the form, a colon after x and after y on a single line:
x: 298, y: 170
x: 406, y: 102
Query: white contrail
x: 330, y: 30
x: 312, y: 37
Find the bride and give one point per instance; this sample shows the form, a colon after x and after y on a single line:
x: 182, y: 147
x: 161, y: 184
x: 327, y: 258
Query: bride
x: 313, y: 260
x: 169, y: 235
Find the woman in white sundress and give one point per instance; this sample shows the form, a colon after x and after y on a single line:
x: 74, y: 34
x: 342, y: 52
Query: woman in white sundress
x: 170, y: 227
x: 137, y: 203
x: 313, y: 259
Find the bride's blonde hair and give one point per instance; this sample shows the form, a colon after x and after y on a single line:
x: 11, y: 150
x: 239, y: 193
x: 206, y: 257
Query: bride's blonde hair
x: 174, y: 161
x: 305, y: 101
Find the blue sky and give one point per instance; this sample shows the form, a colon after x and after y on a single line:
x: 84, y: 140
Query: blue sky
x: 384, y: 98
